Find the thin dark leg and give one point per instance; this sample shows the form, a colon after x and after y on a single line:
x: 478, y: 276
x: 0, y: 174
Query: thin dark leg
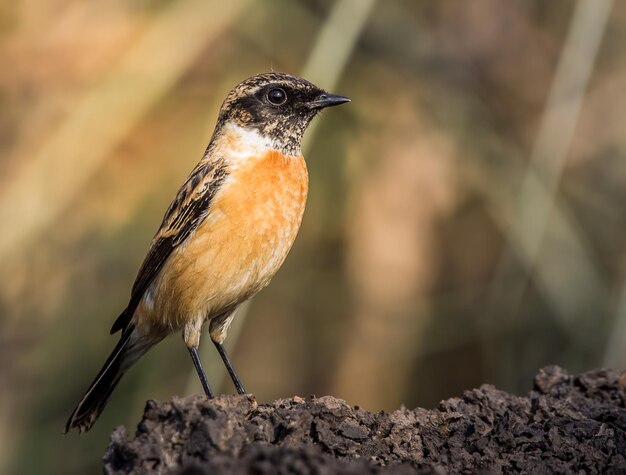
x: 201, y: 375
x: 229, y: 367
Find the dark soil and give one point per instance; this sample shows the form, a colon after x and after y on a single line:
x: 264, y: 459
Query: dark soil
x: 567, y: 424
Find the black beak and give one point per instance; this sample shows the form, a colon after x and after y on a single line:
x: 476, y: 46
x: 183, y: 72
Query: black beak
x: 328, y: 100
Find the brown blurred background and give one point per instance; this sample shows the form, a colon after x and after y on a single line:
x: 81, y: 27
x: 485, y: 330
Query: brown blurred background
x: 466, y: 221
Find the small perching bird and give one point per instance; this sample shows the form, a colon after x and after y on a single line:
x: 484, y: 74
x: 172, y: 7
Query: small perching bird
x: 226, y: 233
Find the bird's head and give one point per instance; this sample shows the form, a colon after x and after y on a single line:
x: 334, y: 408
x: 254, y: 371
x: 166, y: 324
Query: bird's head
x: 278, y: 106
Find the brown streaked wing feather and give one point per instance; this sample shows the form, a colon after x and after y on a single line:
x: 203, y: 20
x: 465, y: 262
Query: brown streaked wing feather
x: 183, y: 216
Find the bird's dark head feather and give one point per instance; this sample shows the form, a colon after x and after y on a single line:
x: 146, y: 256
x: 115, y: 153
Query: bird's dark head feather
x: 280, y: 106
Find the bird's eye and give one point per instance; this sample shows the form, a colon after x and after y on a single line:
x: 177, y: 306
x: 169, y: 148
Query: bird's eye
x: 277, y: 96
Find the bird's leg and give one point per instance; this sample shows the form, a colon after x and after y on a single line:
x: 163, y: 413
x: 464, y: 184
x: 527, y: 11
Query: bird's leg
x: 229, y: 367
x: 191, y: 336
x: 218, y: 329
x: 196, y: 362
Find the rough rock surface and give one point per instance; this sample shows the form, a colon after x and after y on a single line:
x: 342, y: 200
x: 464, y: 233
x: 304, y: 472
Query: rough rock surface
x: 567, y: 424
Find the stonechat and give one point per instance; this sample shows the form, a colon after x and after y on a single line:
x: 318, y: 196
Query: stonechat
x: 226, y: 233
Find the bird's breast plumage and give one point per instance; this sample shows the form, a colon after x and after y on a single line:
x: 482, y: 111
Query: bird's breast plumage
x: 242, y: 242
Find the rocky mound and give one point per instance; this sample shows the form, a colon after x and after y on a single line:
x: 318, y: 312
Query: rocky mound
x: 566, y: 424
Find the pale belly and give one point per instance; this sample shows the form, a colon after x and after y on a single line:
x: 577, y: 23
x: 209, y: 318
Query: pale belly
x: 251, y: 226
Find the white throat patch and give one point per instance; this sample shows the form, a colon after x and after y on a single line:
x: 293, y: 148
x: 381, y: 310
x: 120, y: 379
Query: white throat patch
x: 249, y: 141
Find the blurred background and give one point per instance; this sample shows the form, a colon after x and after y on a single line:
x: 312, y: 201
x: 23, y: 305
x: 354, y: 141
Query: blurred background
x: 466, y: 221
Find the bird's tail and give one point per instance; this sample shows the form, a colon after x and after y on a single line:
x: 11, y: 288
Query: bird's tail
x: 128, y: 350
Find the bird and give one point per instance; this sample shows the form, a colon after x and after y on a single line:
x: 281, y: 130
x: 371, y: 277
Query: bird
x: 225, y: 234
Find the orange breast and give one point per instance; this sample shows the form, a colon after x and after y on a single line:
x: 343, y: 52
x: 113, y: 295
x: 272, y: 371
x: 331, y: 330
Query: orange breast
x: 252, y: 224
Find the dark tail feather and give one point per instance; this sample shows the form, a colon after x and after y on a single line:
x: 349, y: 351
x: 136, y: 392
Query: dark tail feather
x: 123, y: 320
x: 125, y: 353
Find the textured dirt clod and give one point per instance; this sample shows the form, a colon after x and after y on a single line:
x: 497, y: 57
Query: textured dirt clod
x: 567, y: 424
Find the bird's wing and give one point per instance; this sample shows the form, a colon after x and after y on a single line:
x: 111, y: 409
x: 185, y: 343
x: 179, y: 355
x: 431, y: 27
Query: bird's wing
x: 182, y: 218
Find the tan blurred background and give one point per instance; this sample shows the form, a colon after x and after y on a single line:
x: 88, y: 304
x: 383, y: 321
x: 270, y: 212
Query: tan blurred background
x: 466, y: 222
